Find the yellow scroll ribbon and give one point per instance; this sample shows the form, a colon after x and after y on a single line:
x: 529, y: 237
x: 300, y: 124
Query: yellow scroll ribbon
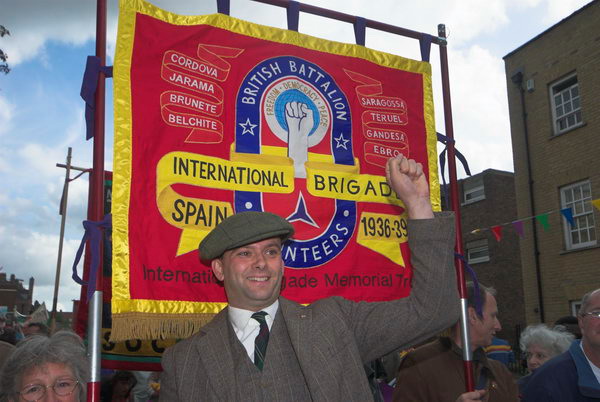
x: 195, y: 216
x: 344, y: 182
x: 383, y: 233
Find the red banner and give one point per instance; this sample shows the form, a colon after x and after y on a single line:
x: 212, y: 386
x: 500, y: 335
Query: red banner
x: 215, y: 116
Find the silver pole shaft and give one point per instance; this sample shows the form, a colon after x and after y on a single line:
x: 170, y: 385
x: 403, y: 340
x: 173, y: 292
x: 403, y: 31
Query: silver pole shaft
x: 93, y: 335
x: 464, y: 331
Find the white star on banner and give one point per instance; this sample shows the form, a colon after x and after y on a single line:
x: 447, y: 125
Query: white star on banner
x: 248, y: 127
x: 341, y: 141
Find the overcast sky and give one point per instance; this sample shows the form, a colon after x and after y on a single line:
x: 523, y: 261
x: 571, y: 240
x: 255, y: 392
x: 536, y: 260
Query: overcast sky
x: 41, y: 113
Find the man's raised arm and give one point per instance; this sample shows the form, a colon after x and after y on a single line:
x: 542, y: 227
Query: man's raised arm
x: 407, y: 179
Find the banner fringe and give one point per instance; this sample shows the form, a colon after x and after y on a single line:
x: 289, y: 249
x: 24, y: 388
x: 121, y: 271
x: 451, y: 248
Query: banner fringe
x: 127, y: 326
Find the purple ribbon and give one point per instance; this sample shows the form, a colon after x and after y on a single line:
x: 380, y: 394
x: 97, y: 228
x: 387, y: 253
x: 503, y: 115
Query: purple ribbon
x: 93, y: 232
x: 425, y: 46
x: 478, y: 306
x: 360, y: 28
x: 223, y: 7
x: 293, y: 15
x: 445, y: 140
x: 89, y: 85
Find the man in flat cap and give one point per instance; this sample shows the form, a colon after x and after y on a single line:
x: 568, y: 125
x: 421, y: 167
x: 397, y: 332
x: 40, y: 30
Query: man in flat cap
x: 263, y: 347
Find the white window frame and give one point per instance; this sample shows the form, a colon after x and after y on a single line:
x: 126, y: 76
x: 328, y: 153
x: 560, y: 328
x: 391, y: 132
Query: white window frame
x: 478, y: 246
x: 575, y: 306
x: 572, y: 103
x: 474, y: 194
x: 583, y: 214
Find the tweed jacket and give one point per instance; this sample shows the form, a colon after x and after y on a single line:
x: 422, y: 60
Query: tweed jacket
x: 333, y: 337
x: 434, y: 373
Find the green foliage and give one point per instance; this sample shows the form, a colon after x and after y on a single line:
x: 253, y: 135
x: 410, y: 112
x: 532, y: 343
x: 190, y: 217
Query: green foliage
x: 3, y: 56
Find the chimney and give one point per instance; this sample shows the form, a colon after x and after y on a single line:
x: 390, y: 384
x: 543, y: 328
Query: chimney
x: 30, y: 292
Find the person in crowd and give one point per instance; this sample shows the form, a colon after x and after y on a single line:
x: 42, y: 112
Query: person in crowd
x: 540, y: 344
x: 118, y: 387
x: 142, y: 391
x: 434, y: 372
x: 6, y: 349
x: 6, y: 346
x: 263, y: 347
x: 45, y: 368
x: 500, y: 350
x: 36, y: 328
x: 8, y: 335
x: 154, y: 382
x: 575, y: 374
x: 571, y: 324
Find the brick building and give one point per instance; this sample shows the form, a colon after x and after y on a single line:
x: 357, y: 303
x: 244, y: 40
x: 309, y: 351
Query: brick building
x: 13, y: 294
x: 553, y: 85
x: 488, y: 199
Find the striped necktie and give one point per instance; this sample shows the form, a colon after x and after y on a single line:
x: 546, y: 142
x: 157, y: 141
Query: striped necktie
x: 260, y: 343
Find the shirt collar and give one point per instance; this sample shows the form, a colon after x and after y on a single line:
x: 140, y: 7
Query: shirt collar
x: 239, y: 318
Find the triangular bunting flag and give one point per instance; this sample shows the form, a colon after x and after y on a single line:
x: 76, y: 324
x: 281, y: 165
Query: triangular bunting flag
x: 568, y: 214
x: 518, y: 226
x: 596, y: 203
x: 543, y: 220
x: 497, y: 231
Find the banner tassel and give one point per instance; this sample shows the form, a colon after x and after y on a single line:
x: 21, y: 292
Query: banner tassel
x: 157, y: 326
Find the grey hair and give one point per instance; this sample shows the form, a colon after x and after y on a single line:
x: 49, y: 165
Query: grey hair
x: 585, y: 301
x: 64, y: 347
x: 555, y: 341
x: 471, y: 295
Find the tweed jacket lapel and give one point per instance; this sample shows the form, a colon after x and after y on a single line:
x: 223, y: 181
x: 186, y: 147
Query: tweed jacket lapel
x: 298, y: 320
x: 215, y: 353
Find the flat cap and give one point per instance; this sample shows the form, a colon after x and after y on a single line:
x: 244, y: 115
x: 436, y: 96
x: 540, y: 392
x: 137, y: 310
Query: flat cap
x: 242, y: 229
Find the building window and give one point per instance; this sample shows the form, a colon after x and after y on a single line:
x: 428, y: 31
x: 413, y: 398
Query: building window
x: 575, y: 306
x: 473, y: 190
x: 566, y: 105
x: 478, y: 251
x: 578, y: 197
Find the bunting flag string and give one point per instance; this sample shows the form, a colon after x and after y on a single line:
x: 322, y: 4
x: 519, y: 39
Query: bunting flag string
x: 542, y: 219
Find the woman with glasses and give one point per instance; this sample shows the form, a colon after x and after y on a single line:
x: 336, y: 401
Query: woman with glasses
x: 41, y: 365
x: 540, y: 344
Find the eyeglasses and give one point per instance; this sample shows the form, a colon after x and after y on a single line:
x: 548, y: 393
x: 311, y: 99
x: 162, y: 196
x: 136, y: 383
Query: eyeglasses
x: 61, y: 387
x: 595, y: 314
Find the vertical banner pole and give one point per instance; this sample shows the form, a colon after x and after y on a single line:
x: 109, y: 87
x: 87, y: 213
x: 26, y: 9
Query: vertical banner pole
x: 97, y: 211
x: 460, y: 276
x: 63, y: 213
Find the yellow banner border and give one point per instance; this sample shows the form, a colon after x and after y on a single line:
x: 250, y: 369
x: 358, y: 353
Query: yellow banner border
x: 166, y: 306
